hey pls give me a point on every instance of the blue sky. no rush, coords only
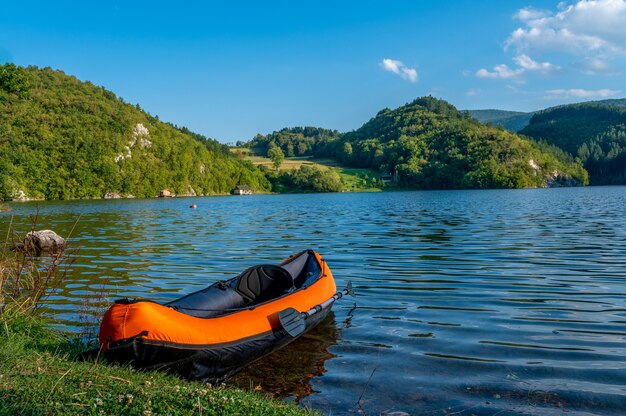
(230, 70)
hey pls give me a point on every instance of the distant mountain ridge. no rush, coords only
(517, 120)
(595, 132)
(511, 120)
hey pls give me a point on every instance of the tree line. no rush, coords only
(429, 144)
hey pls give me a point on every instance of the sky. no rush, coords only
(230, 70)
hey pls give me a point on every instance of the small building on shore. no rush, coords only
(165, 193)
(242, 190)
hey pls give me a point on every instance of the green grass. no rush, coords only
(360, 180)
(354, 179)
(39, 376)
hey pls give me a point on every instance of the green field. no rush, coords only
(358, 180)
(354, 179)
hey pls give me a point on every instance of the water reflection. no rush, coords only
(288, 373)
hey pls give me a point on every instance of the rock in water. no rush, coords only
(37, 242)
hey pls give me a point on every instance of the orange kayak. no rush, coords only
(213, 333)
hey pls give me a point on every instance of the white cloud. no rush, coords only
(398, 68)
(529, 13)
(499, 72)
(472, 92)
(528, 64)
(590, 34)
(391, 65)
(559, 40)
(585, 28)
(579, 93)
(525, 65)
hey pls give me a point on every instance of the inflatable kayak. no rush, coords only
(213, 333)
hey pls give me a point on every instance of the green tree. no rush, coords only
(13, 79)
(307, 179)
(277, 156)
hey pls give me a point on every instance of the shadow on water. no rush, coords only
(288, 372)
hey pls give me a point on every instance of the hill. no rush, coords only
(516, 120)
(594, 131)
(428, 144)
(510, 120)
(614, 102)
(62, 138)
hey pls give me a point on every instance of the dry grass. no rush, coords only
(288, 164)
(25, 278)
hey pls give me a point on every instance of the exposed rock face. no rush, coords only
(140, 138)
(112, 195)
(19, 195)
(554, 179)
(559, 179)
(37, 242)
(122, 156)
(141, 134)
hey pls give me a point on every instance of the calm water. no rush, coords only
(470, 302)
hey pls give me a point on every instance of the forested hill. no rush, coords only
(428, 144)
(517, 121)
(62, 138)
(594, 131)
(614, 102)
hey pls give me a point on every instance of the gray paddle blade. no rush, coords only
(350, 290)
(292, 321)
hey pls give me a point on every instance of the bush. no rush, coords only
(307, 179)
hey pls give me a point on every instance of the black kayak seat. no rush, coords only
(215, 300)
(262, 283)
(255, 285)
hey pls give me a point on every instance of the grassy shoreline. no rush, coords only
(39, 375)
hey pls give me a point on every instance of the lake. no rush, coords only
(469, 302)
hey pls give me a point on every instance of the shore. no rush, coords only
(39, 374)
